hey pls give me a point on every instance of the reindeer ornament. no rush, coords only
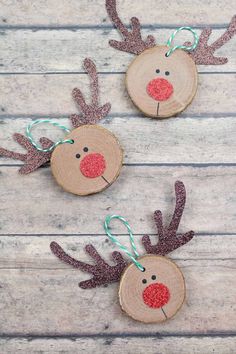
(162, 80)
(152, 287)
(89, 159)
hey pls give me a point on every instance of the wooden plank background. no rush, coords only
(42, 46)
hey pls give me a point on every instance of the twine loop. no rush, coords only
(53, 146)
(184, 47)
(135, 254)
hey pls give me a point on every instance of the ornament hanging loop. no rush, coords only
(135, 254)
(55, 124)
(183, 47)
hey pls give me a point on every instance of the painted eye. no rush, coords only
(85, 149)
(144, 281)
(77, 156)
(154, 277)
(167, 73)
(157, 71)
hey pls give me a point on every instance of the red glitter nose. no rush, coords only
(160, 89)
(156, 295)
(93, 165)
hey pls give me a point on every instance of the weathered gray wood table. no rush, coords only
(42, 45)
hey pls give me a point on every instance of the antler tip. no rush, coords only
(178, 182)
(233, 24)
(87, 61)
(145, 239)
(134, 20)
(179, 185)
(74, 91)
(53, 245)
(89, 247)
(82, 285)
(110, 2)
(89, 64)
(157, 212)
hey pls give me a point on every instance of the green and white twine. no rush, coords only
(135, 254)
(53, 146)
(184, 47)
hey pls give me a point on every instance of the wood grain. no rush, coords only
(136, 194)
(206, 140)
(49, 301)
(42, 308)
(33, 252)
(51, 94)
(42, 50)
(143, 82)
(87, 172)
(78, 13)
(135, 287)
(116, 345)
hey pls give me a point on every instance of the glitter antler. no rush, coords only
(204, 53)
(34, 158)
(102, 272)
(90, 113)
(133, 42)
(168, 238)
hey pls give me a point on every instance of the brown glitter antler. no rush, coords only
(33, 158)
(91, 113)
(204, 53)
(102, 272)
(133, 42)
(168, 239)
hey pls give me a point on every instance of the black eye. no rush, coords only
(85, 149)
(157, 71)
(77, 156)
(167, 73)
(154, 277)
(144, 281)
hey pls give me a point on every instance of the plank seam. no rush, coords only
(202, 115)
(73, 28)
(178, 164)
(99, 73)
(25, 268)
(200, 234)
(74, 336)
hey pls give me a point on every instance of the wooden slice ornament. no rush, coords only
(152, 287)
(90, 157)
(155, 294)
(162, 80)
(162, 86)
(90, 164)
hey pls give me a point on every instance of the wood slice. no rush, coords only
(154, 295)
(89, 165)
(162, 86)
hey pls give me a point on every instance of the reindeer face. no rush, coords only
(162, 86)
(155, 294)
(90, 164)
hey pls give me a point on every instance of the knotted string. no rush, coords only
(184, 47)
(135, 254)
(53, 146)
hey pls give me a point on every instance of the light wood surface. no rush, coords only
(177, 74)
(137, 289)
(64, 49)
(77, 13)
(42, 46)
(78, 175)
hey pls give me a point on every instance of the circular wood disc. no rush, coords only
(89, 165)
(162, 86)
(154, 295)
